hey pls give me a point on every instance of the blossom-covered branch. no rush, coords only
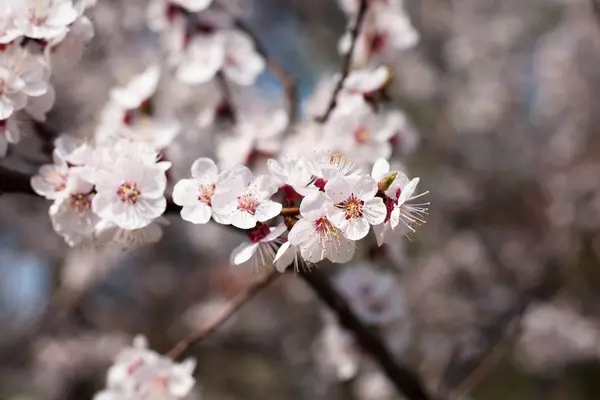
(234, 306)
(347, 59)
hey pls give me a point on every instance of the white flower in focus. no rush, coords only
(355, 205)
(325, 167)
(51, 179)
(131, 195)
(287, 255)
(245, 200)
(9, 133)
(401, 217)
(44, 19)
(71, 214)
(195, 195)
(193, 5)
(140, 373)
(315, 235)
(138, 90)
(8, 30)
(261, 249)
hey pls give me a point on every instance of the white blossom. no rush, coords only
(131, 194)
(141, 373)
(195, 194)
(8, 30)
(245, 200)
(51, 179)
(355, 206)
(193, 5)
(44, 19)
(71, 214)
(316, 237)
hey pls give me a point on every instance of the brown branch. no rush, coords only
(290, 212)
(286, 80)
(405, 380)
(14, 182)
(347, 60)
(235, 305)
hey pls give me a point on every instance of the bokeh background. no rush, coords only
(503, 280)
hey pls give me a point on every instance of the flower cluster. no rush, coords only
(30, 32)
(336, 206)
(201, 42)
(140, 373)
(387, 28)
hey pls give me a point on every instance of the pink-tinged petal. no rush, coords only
(185, 192)
(342, 252)
(301, 231)
(365, 187)
(243, 220)
(338, 189)
(267, 210)
(356, 228)
(275, 233)
(380, 169)
(315, 205)
(198, 213)
(243, 253)
(205, 169)
(374, 211)
(284, 257)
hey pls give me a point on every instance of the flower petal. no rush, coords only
(243, 253)
(198, 213)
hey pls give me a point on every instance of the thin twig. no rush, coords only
(405, 380)
(286, 80)
(238, 302)
(347, 60)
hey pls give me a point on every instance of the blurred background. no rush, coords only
(500, 287)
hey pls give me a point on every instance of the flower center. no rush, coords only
(80, 202)
(259, 232)
(128, 192)
(205, 193)
(247, 203)
(362, 135)
(353, 207)
(324, 227)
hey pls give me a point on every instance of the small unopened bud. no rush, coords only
(386, 182)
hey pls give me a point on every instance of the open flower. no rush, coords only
(355, 205)
(141, 373)
(8, 30)
(195, 195)
(314, 234)
(245, 200)
(131, 195)
(51, 179)
(72, 216)
(44, 19)
(401, 217)
(261, 249)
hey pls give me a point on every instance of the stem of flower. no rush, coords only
(290, 212)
